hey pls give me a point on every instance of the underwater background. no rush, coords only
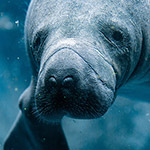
(126, 125)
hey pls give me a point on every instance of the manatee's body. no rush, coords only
(82, 54)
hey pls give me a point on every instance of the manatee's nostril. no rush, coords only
(68, 81)
(52, 81)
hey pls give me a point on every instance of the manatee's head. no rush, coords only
(81, 53)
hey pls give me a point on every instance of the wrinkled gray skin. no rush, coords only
(82, 53)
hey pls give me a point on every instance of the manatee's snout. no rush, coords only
(68, 85)
(59, 83)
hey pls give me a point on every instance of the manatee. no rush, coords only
(83, 54)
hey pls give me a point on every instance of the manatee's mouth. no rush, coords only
(69, 86)
(81, 104)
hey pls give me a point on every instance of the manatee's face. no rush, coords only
(81, 52)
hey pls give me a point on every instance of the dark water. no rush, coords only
(126, 126)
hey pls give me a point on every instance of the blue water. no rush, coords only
(126, 126)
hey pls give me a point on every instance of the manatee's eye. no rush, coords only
(38, 45)
(117, 36)
(37, 42)
(37, 48)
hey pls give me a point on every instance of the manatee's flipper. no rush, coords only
(19, 137)
(30, 134)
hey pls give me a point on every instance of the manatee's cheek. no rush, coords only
(68, 85)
